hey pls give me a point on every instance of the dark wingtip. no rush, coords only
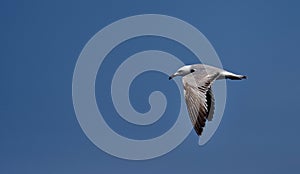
(170, 78)
(244, 77)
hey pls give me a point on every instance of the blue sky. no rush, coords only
(40, 44)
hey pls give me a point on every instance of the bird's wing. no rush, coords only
(199, 98)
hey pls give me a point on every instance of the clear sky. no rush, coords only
(41, 41)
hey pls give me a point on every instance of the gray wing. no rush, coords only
(199, 98)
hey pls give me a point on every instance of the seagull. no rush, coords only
(197, 80)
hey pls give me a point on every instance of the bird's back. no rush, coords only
(201, 71)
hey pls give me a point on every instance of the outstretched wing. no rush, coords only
(199, 98)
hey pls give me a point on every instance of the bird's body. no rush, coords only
(197, 81)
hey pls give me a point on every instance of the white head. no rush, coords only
(185, 70)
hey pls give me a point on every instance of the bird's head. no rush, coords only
(185, 70)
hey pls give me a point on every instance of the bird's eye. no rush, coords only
(192, 70)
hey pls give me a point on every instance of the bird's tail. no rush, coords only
(232, 76)
(236, 77)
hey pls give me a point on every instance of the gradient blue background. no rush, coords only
(41, 41)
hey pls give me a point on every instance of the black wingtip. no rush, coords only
(170, 78)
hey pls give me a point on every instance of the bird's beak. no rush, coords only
(172, 76)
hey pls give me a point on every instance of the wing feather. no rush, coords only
(199, 100)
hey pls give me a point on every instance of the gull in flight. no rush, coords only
(197, 80)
